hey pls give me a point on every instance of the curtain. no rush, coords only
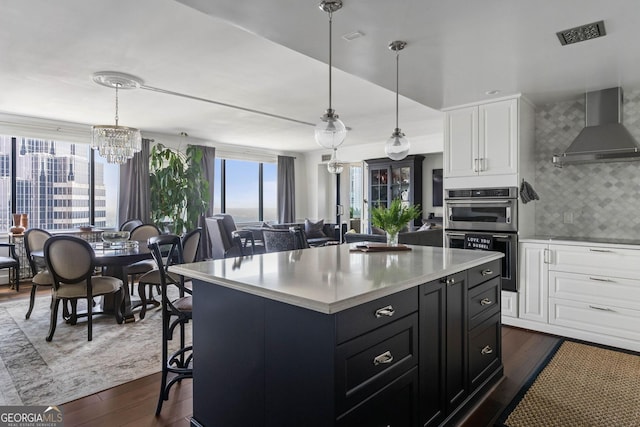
(286, 189)
(208, 166)
(135, 197)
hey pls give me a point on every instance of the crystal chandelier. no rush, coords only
(117, 144)
(397, 147)
(330, 131)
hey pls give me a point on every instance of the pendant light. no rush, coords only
(335, 166)
(116, 143)
(397, 147)
(330, 131)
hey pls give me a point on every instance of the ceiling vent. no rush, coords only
(582, 33)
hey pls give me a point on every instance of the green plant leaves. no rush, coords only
(395, 217)
(178, 188)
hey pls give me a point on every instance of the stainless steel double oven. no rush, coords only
(490, 214)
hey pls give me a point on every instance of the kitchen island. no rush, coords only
(326, 336)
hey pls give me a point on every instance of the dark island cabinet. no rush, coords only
(460, 342)
(409, 359)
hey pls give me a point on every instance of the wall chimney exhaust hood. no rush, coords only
(604, 138)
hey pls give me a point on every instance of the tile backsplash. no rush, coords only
(600, 200)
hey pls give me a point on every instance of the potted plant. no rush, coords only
(179, 191)
(394, 218)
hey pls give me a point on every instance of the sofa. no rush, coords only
(329, 232)
(430, 237)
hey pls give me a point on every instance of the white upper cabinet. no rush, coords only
(482, 140)
(488, 144)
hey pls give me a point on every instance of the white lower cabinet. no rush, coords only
(509, 303)
(585, 291)
(534, 279)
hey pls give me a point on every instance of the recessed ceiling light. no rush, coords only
(492, 92)
(353, 35)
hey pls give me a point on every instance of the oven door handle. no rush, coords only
(485, 201)
(455, 234)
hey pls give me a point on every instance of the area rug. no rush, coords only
(36, 372)
(580, 385)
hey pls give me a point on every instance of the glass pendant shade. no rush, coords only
(330, 131)
(397, 146)
(335, 166)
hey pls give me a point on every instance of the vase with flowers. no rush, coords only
(394, 218)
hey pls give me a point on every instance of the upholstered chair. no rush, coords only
(71, 262)
(130, 224)
(34, 239)
(141, 233)
(11, 261)
(279, 240)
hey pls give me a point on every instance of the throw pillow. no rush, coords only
(424, 227)
(376, 230)
(313, 230)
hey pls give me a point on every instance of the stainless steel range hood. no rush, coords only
(604, 138)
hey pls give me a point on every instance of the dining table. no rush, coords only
(114, 258)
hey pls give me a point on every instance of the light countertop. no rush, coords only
(330, 279)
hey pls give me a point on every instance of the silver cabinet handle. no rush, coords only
(475, 165)
(385, 311)
(486, 350)
(597, 279)
(599, 250)
(486, 301)
(483, 164)
(601, 308)
(486, 272)
(385, 357)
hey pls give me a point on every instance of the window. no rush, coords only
(52, 184)
(245, 189)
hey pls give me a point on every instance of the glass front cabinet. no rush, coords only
(389, 180)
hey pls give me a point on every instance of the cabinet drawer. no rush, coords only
(394, 405)
(484, 301)
(484, 272)
(611, 291)
(371, 361)
(366, 317)
(484, 351)
(596, 318)
(601, 261)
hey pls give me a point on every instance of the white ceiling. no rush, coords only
(271, 56)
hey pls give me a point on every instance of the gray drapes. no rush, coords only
(286, 189)
(208, 166)
(135, 197)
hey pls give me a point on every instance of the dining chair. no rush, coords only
(34, 239)
(176, 313)
(141, 233)
(11, 261)
(71, 262)
(130, 224)
(190, 246)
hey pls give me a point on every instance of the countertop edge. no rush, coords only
(568, 241)
(330, 308)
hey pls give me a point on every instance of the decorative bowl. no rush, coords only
(115, 236)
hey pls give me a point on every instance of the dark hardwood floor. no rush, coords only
(134, 403)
